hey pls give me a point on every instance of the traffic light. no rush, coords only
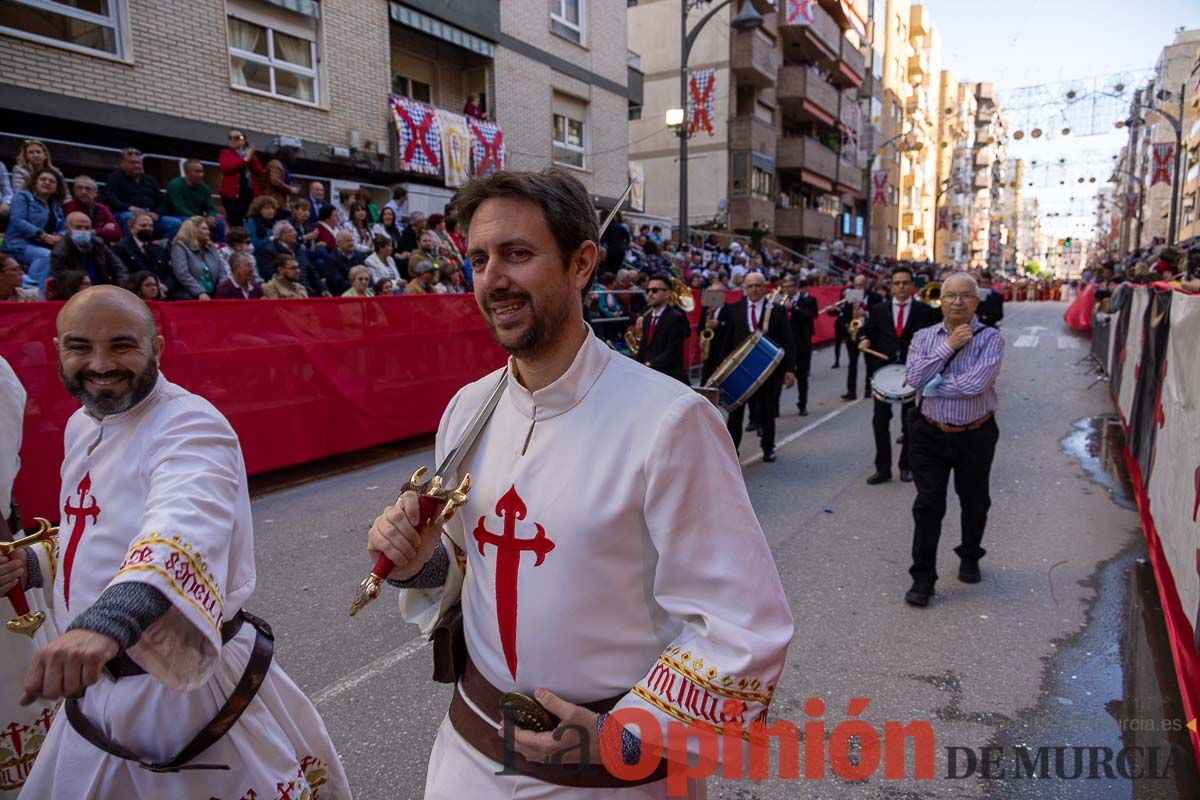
(1067, 243)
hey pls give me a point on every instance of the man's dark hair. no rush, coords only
(665, 280)
(281, 260)
(399, 192)
(565, 203)
(325, 213)
(903, 269)
(237, 235)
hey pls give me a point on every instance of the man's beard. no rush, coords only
(539, 336)
(105, 403)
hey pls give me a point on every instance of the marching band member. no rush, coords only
(802, 315)
(991, 306)
(606, 503)
(156, 565)
(735, 322)
(664, 331)
(889, 330)
(954, 365)
(845, 315)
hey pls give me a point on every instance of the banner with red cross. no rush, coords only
(943, 221)
(800, 12)
(488, 155)
(1163, 168)
(1132, 201)
(701, 83)
(879, 185)
(418, 135)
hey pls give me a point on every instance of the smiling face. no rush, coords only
(107, 349)
(527, 295)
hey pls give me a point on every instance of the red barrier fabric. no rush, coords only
(1079, 314)
(297, 379)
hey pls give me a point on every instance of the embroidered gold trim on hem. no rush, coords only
(176, 590)
(184, 549)
(723, 690)
(679, 715)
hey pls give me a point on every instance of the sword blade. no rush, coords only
(455, 457)
(616, 208)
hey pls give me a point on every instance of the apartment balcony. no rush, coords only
(918, 65)
(815, 162)
(804, 223)
(752, 59)
(803, 95)
(918, 21)
(981, 180)
(907, 219)
(748, 132)
(853, 65)
(819, 42)
(850, 178)
(745, 211)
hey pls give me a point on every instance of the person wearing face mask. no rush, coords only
(139, 251)
(81, 250)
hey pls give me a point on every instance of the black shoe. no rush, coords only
(751, 428)
(968, 571)
(836, 365)
(769, 456)
(849, 396)
(919, 594)
(879, 477)
(803, 412)
(906, 475)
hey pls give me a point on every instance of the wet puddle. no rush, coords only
(1110, 688)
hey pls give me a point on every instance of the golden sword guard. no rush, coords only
(438, 504)
(26, 623)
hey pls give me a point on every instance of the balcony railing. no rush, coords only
(745, 211)
(805, 95)
(804, 223)
(752, 58)
(806, 153)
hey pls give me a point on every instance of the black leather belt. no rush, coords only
(245, 691)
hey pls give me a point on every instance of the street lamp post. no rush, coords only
(942, 189)
(747, 19)
(871, 189)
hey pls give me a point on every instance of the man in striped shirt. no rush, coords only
(954, 367)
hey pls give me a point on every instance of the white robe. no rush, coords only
(162, 488)
(659, 569)
(23, 729)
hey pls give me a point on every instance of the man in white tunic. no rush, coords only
(22, 728)
(156, 562)
(602, 558)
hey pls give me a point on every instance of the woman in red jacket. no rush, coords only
(240, 171)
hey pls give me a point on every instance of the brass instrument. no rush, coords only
(838, 305)
(931, 294)
(26, 623)
(854, 328)
(706, 338)
(681, 296)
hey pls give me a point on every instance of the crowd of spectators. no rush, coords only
(261, 234)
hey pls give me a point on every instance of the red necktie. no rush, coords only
(650, 327)
(900, 320)
(754, 316)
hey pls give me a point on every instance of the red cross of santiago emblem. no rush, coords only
(510, 508)
(87, 509)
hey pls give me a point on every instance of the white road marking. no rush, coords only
(791, 437)
(1026, 340)
(1068, 343)
(365, 673)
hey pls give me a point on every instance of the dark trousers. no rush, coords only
(762, 412)
(840, 336)
(853, 355)
(881, 423)
(803, 367)
(934, 454)
(236, 208)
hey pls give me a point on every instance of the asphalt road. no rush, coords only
(973, 664)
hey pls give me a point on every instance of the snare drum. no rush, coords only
(890, 385)
(745, 369)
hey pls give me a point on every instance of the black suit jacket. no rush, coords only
(734, 328)
(802, 315)
(664, 350)
(152, 258)
(846, 313)
(991, 310)
(881, 331)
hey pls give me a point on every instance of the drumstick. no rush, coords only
(875, 353)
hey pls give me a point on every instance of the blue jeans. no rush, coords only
(36, 261)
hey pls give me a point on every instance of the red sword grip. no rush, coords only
(19, 602)
(429, 508)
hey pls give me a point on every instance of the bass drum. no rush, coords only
(745, 369)
(890, 385)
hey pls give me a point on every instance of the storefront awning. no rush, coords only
(309, 8)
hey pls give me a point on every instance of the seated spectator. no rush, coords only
(237, 241)
(424, 279)
(10, 282)
(301, 217)
(189, 196)
(460, 241)
(35, 225)
(473, 109)
(69, 284)
(389, 226)
(82, 251)
(34, 155)
(632, 300)
(195, 261)
(240, 284)
(129, 189)
(240, 171)
(397, 203)
(450, 279)
(345, 199)
(274, 184)
(140, 253)
(364, 199)
(411, 237)
(6, 192)
(339, 263)
(380, 264)
(147, 286)
(286, 240)
(428, 251)
(83, 198)
(384, 287)
(360, 226)
(316, 199)
(286, 283)
(260, 220)
(326, 228)
(360, 283)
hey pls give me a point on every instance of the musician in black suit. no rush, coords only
(889, 330)
(847, 313)
(733, 325)
(802, 315)
(664, 331)
(991, 305)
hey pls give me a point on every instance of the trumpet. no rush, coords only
(931, 294)
(681, 296)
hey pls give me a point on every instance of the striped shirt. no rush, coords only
(967, 390)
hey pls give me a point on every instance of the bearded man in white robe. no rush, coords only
(170, 689)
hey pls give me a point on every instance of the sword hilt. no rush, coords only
(436, 504)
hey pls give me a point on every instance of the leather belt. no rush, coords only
(122, 666)
(482, 736)
(245, 692)
(971, 426)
